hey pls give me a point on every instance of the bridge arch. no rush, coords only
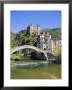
(25, 47)
(29, 47)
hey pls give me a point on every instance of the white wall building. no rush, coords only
(48, 44)
(45, 42)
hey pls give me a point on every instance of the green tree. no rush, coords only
(21, 37)
(13, 40)
(34, 38)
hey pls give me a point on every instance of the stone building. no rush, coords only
(45, 41)
(33, 29)
(48, 43)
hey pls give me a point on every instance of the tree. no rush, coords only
(21, 37)
(13, 40)
(56, 33)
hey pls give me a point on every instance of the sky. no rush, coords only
(46, 19)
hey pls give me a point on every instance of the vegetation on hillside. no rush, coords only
(55, 32)
(22, 38)
(13, 40)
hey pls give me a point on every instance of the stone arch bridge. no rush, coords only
(30, 47)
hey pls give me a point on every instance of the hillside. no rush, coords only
(55, 32)
(22, 37)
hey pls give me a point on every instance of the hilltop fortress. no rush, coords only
(33, 29)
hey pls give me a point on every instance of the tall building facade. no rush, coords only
(47, 43)
(33, 29)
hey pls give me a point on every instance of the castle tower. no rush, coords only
(30, 29)
(38, 29)
(33, 29)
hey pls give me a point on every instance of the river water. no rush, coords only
(29, 64)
